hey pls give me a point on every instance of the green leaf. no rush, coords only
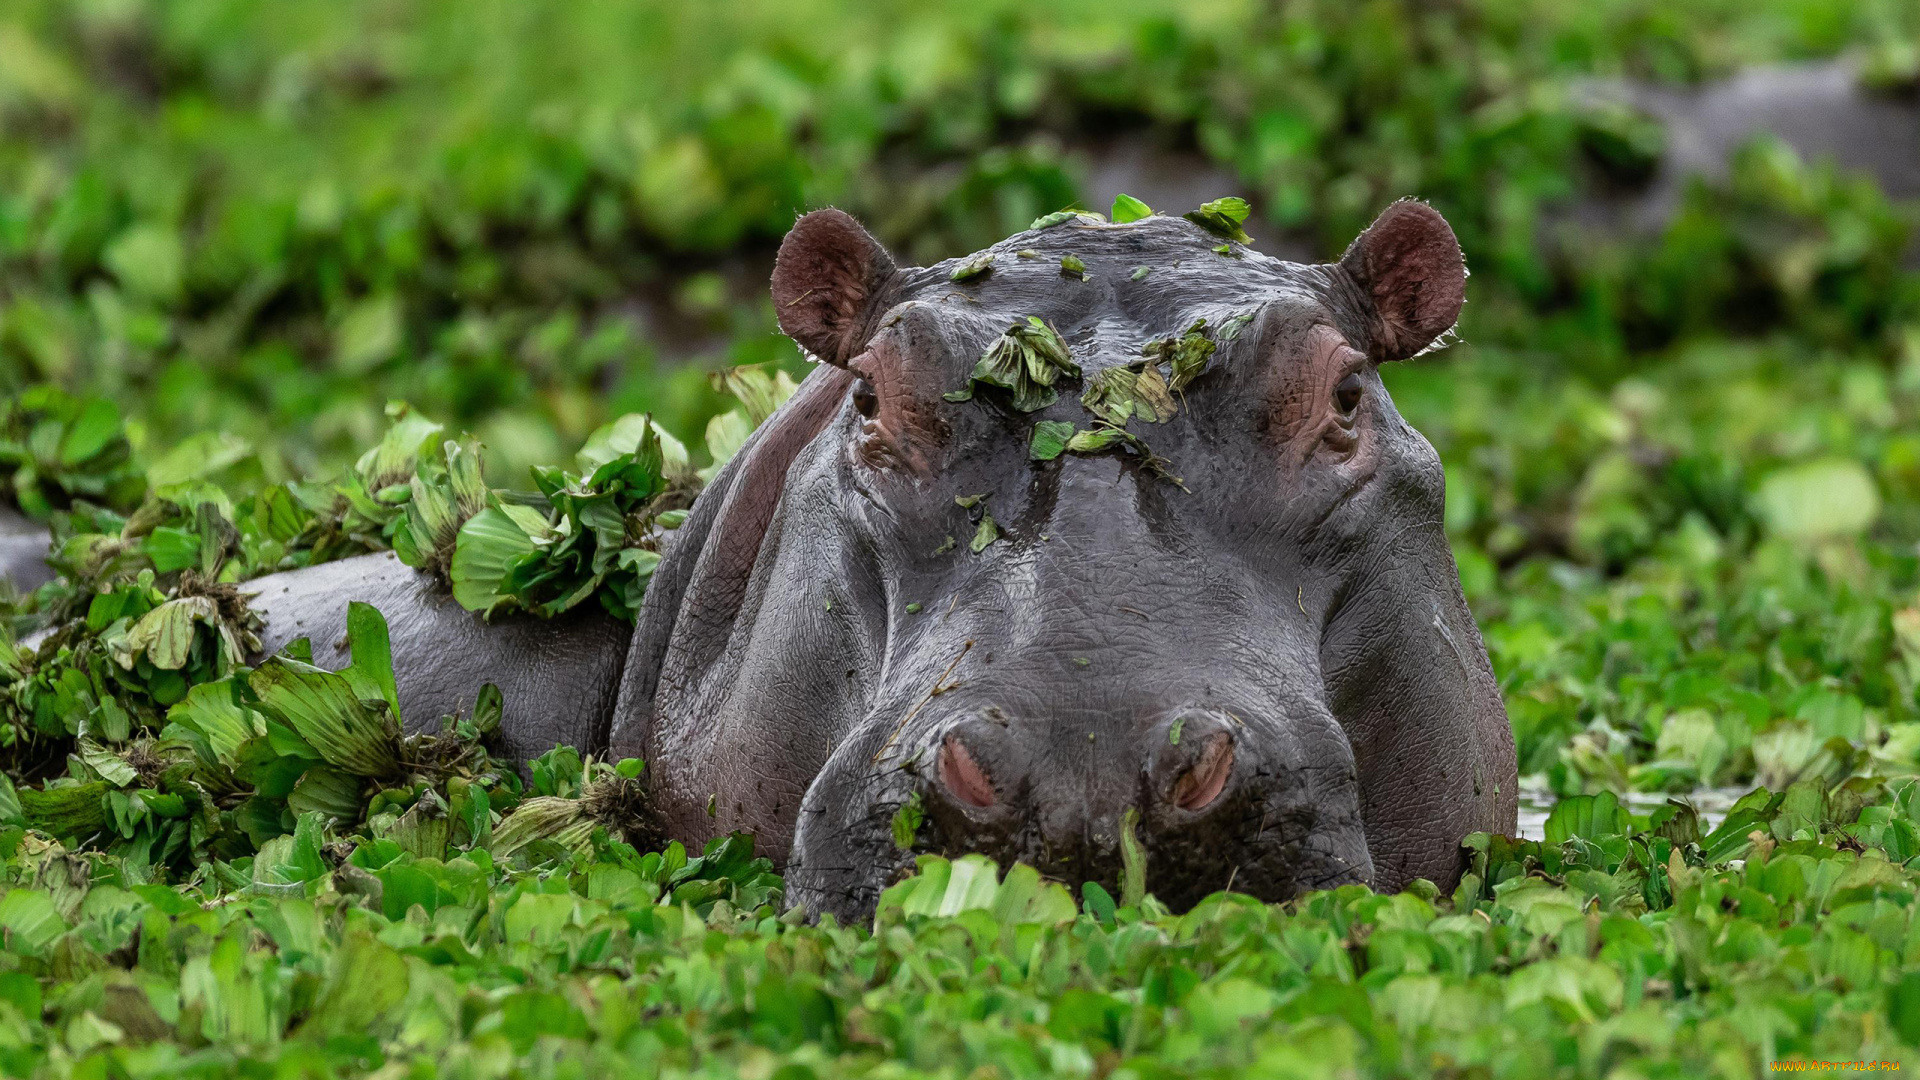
(1028, 360)
(372, 652)
(1832, 497)
(1127, 209)
(986, 533)
(1186, 355)
(973, 269)
(1589, 817)
(1099, 902)
(489, 542)
(97, 426)
(1094, 440)
(906, 822)
(333, 793)
(1223, 218)
(30, 922)
(1073, 266)
(369, 335)
(1133, 860)
(295, 859)
(348, 731)
(1049, 439)
(365, 980)
(197, 457)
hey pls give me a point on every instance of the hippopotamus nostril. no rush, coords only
(1207, 777)
(962, 775)
(1192, 761)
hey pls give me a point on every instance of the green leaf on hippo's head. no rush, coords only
(968, 502)
(987, 532)
(1061, 217)
(1140, 273)
(1127, 209)
(973, 269)
(1186, 355)
(1223, 218)
(1027, 361)
(1074, 267)
(1049, 440)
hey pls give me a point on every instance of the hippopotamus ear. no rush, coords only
(827, 282)
(1410, 264)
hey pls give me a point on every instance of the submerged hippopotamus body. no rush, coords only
(1241, 637)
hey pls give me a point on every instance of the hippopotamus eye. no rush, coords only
(1346, 395)
(864, 399)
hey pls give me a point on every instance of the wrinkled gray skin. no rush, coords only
(1293, 613)
(557, 677)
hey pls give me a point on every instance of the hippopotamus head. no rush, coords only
(1220, 627)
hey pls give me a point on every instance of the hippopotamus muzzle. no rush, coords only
(1217, 800)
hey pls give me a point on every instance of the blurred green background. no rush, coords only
(1683, 463)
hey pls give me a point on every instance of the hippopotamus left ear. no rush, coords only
(828, 280)
(1409, 263)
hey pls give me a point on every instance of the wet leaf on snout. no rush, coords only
(1073, 266)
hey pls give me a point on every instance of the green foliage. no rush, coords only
(1025, 361)
(1682, 489)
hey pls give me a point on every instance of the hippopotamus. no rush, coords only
(1230, 642)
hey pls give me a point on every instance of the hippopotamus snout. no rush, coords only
(1218, 798)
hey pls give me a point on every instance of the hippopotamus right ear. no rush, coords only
(1409, 263)
(828, 281)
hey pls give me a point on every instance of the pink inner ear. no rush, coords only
(1410, 262)
(824, 283)
(962, 775)
(1203, 783)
